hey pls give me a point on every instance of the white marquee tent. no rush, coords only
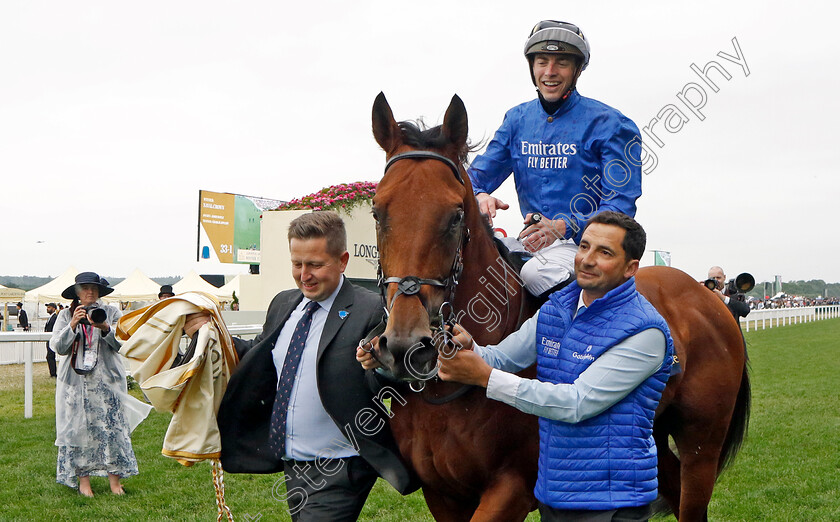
(136, 287)
(192, 282)
(11, 295)
(51, 292)
(232, 286)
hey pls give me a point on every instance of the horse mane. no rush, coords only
(418, 135)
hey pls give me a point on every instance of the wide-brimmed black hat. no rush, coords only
(87, 278)
(165, 289)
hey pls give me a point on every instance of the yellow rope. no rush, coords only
(219, 486)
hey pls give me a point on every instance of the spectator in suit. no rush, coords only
(733, 299)
(23, 319)
(51, 307)
(295, 400)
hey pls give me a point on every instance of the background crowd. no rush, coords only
(791, 301)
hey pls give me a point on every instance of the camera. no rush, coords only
(740, 285)
(96, 314)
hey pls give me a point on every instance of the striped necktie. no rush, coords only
(277, 429)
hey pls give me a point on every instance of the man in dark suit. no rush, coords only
(332, 439)
(49, 328)
(23, 319)
(735, 301)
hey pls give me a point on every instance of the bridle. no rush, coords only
(411, 285)
(426, 154)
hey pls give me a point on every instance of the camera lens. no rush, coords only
(97, 315)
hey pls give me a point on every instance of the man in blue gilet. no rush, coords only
(570, 156)
(603, 356)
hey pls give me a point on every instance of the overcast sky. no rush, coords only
(113, 115)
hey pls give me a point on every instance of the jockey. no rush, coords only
(571, 157)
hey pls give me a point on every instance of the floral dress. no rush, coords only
(94, 415)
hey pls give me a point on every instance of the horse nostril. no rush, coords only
(422, 351)
(383, 343)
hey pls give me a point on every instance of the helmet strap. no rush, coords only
(552, 107)
(578, 70)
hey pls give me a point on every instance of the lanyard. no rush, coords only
(88, 336)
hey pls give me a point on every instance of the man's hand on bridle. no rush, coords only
(365, 354)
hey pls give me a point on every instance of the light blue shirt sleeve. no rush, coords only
(610, 378)
(516, 351)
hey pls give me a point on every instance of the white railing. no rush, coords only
(19, 347)
(768, 318)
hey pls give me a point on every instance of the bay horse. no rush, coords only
(476, 457)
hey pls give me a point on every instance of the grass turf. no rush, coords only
(788, 469)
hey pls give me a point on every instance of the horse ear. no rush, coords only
(386, 131)
(455, 126)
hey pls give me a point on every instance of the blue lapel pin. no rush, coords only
(343, 313)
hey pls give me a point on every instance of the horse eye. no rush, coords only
(375, 215)
(458, 218)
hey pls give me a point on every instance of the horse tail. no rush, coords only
(737, 431)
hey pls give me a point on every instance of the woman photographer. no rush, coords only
(94, 415)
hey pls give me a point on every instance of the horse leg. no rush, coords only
(507, 498)
(699, 465)
(447, 509)
(668, 465)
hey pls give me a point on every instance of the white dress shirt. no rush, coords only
(310, 431)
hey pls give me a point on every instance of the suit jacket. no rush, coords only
(344, 387)
(49, 326)
(23, 319)
(737, 305)
(50, 323)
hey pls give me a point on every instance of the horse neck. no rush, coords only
(487, 285)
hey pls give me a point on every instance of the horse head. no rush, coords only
(424, 210)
